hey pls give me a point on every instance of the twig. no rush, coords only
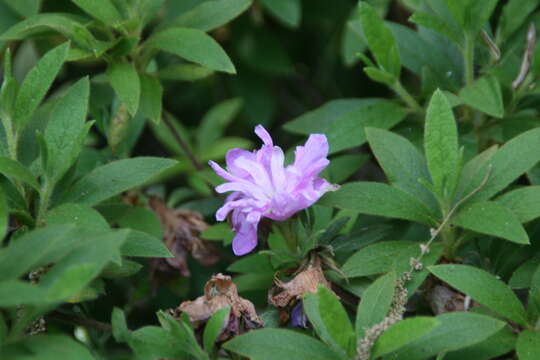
(78, 320)
(185, 148)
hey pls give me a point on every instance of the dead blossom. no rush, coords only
(181, 235)
(219, 292)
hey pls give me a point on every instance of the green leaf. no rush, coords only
(103, 10)
(456, 330)
(66, 129)
(402, 334)
(119, 325)
(51, 346)
(343, 167)
(141, 244)
(155, 342)
(528, 345)
(4, 216)
(437, 24)
(16, 293)
(193, 45)
(69, 277)
(474, 172)
(183, 332)
(383, 257)
(12, 169)
(127, 268)
(496, 345)
(522, 277)
(184, 72)
(514, 14)
(402, 163)
(36, 84)
(214, 327)
(210, 15)
(289, 12)
(523, 202)
(379, 199)
(81, 215)
(485, 95)
(113, 178)
(513, 159)
(151, 97)
(215, 121)
(483, 288)
(330, 320)
(380, 40)
(441, 145)
(343, 121)
(471, 15)
(375, 303)
(34, 249)
(378, 75)
(125, 82)
(25, 8)
(491, 218)
(279, 344)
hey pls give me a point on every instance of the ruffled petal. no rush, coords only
(245, 239)
(264, 135)
(310, 159)
(232, 156)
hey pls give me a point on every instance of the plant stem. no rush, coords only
(407, 97)
(45, 196)
(78, 320)
(468, 59)
(189, 154)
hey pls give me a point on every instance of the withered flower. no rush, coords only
(220, 292)
(182, 229)
(287, 296)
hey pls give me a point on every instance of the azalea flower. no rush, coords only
(263, 187)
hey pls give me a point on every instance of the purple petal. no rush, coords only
(245, 239)
(231, 158)
(264, 135)
(310, 159)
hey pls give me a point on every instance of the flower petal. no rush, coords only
(245, 239)
(310, 159)
(264, 135)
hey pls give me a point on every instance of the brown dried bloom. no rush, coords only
(220, 292)
(283, 294)
(182, 229)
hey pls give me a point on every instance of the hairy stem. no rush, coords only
(407, 97)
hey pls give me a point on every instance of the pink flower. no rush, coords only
(263, 187)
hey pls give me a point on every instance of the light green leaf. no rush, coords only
(379, 199)
(375, 303)
(193, 45)
(34, 249)
(81, 215)
(402, 163)
(16, 293)
(210, 15)
(403, 333)
(523, 202)
(289, 12)
(126, 83)
(215, 121)
(279, 344)
(471, 15)
(330, 320)
(151, 97)
(492, 218)
(113, 178)
(514, 14)
(456, 330)
(441, 145)
(496, 345)
(214, 327)
(119, 325)
(141, 244)
(386, 256)
(528, 345)
(25, 8)
(154, 342)
(184, 72)
(380, 40)
(485, 95)
(483, 288)
(36, 84)
(343, 121)
(103, 10)
(437, 24)
(14, 170)
(343, 167)
(4, 216)
(51, 346)
(474, 172)
(66, 129)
